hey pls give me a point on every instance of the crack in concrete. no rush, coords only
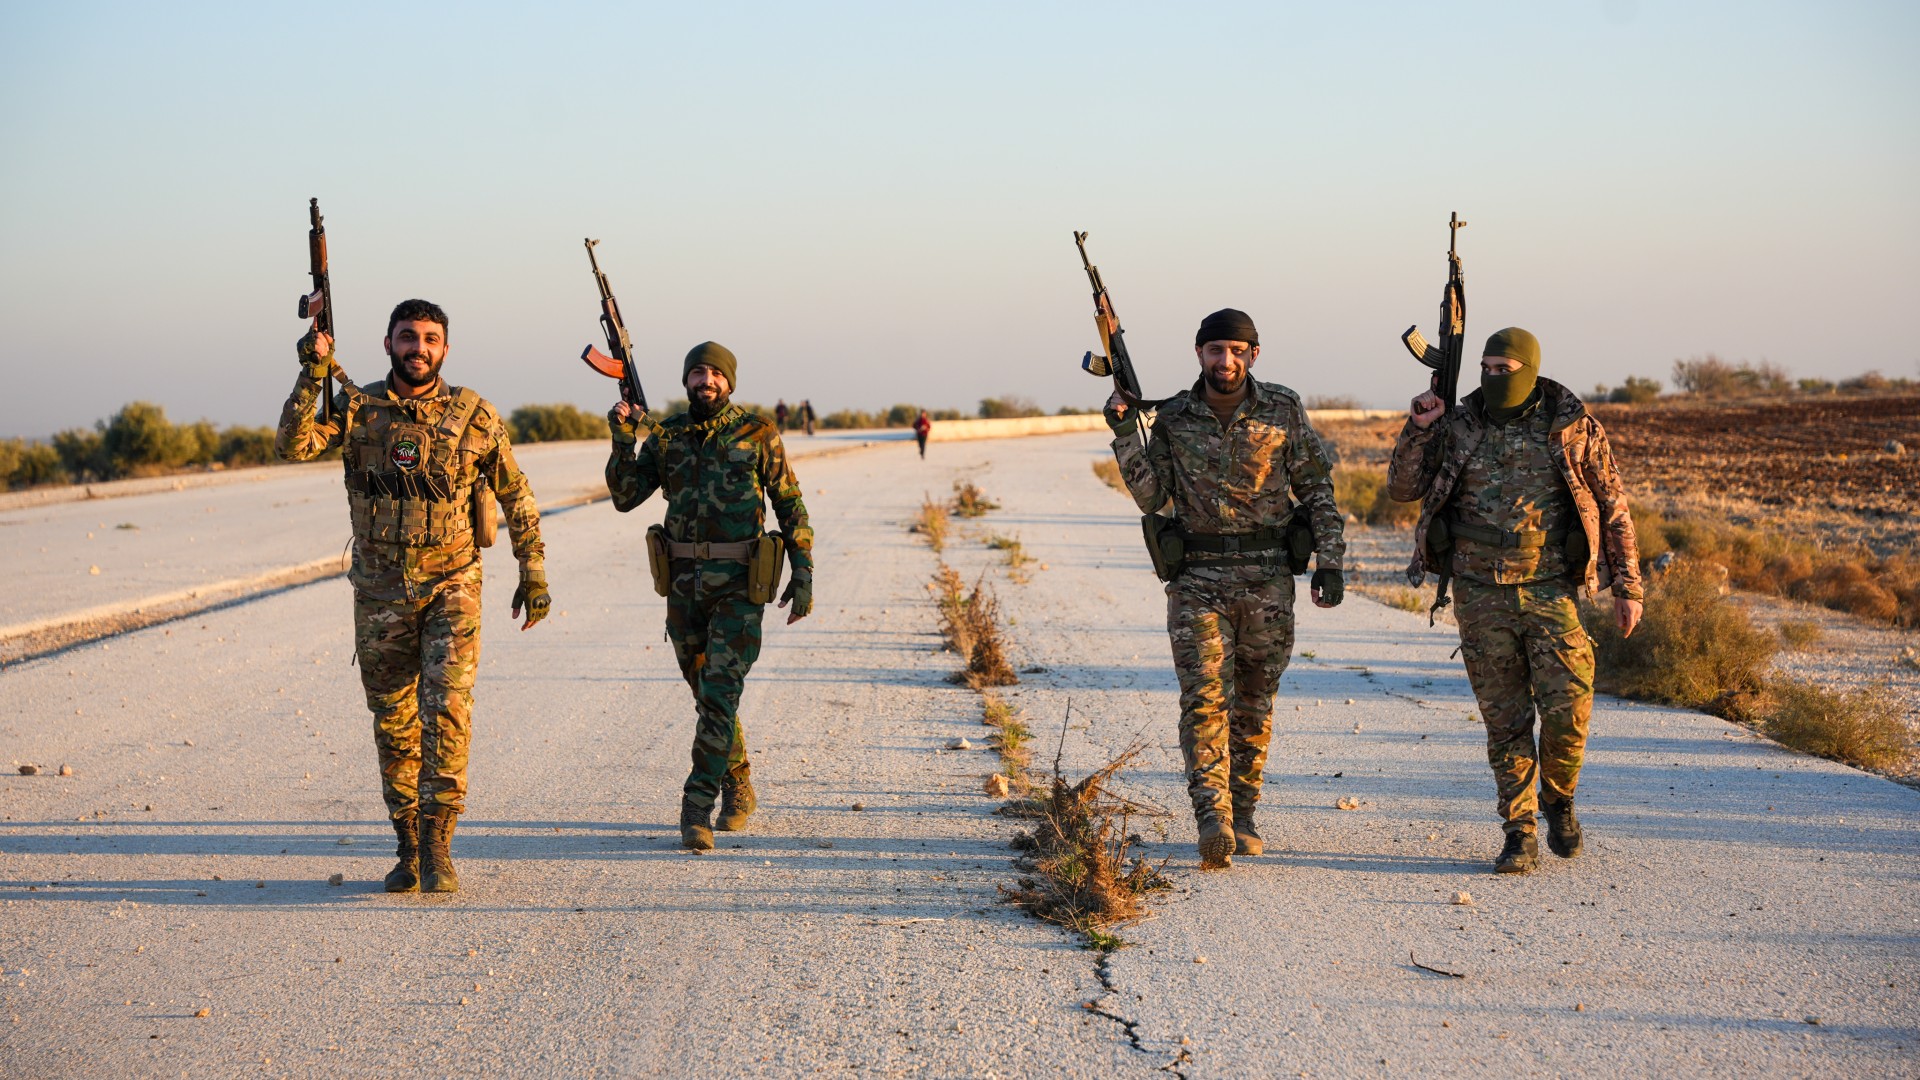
(1103, 969)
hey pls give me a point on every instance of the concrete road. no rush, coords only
(71, 557)
(1740, 911)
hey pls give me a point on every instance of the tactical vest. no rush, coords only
(405, 484)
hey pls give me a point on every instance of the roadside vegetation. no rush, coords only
(1361, 494)
(931, 523)
(1016, 557)
(970, 623)
(969, 501)
(554, 423)
(1883, 589)
(138, 440)
(1108, 470)
(1710, 377)
(1698, 650)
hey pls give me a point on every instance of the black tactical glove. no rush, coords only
(800, 592)
(532, 595)
(1122, 424)
(1331, 586)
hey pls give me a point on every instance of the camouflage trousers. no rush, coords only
(417, 663)
(715, 632)
(1526, 653)
(1232, 632)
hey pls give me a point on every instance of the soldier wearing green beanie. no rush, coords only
(719, 466)
(1523, 511)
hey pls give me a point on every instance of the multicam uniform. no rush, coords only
(414, 467)
(1517, 499)
(1231, 618)
(718, 475)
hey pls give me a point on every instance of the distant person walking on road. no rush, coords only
(1523, 511)
(780, 415)
(714, 562)
(421, 457)
(1244, 472)
(922, 427)
(806, 414)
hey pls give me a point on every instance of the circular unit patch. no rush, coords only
(405, 455)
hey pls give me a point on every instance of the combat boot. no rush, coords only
(696, 834)
(1520, 855)
(405, 875)
(1563, 829)
(1216, 843)
(737, 803)
(436, 858)
(1246, 835)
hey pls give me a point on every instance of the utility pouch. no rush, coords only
(764, 566)
(657, 560)
(486, 515)
(1439, 544)
(1299, 544)
(1166, 545)
(1579, 551)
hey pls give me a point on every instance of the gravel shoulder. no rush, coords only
(1732, 891)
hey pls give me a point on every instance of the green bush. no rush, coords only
(554, 423)
(140, 440)
(1693, 647)
(1003, 408)
(1635, 391)
(241, 446)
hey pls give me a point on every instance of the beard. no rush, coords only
(706, 401)
(1226, 382)
(399, 363)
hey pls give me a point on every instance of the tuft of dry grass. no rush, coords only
(1861, 728)
(931, 522)
(1011, 737)
(1362, 493)
(970, 623)
(1399, 596)
(1796, 634)
(1108, 470)
(1016, 556)
(969, 501)
(1693, 648)
(1080, 868)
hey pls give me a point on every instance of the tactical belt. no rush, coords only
(1265, 542)
(1503, 539)
(736, 551)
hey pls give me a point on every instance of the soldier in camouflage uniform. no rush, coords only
(421, 457)
(1524, 510)
(1237, 460)
(719, 465)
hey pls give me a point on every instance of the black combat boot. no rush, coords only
(737, 803)
(1520, 855)
(696, 834)
(1246, 835)
(1563, 829)
(405, 875)
(436, 860)
(1216, 842)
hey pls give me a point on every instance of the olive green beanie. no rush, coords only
(714, 355)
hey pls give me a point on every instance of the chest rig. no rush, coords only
(406, 484)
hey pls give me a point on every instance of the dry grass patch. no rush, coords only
(1861, 728)
(1016, 556)
(1011, 737)
(969, 501)
(970, 623)
(1108, 470)
(1797, 634)
(1362, 493)
(1080, 868)
(931, 523)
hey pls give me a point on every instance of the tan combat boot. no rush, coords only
(436, 860)
(737, 804)
(1246, 835)
(405, 875)
(1216, 843)
(696, 834)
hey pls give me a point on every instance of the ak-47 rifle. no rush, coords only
(1116, 362)
(1445, 359)
(620, 365)
(318, 304)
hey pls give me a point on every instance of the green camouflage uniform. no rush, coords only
(1231, 623)
(718, 474)
(413, 467)
(1548, 471)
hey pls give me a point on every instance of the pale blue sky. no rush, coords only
(873, 203)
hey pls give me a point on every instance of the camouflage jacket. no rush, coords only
(1250, 474)
(413, 470)
(1429, 463)
(718, 474)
